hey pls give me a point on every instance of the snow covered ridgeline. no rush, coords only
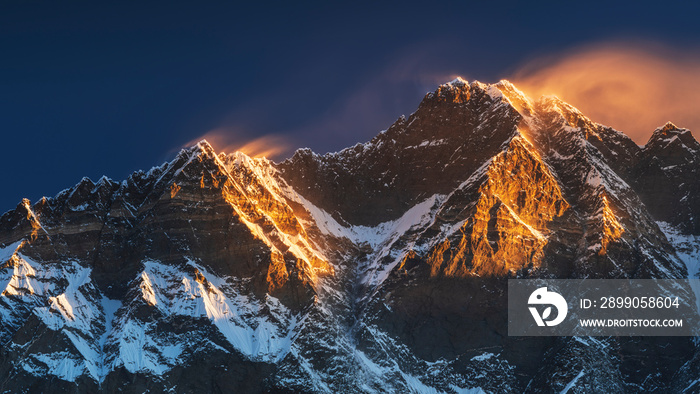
(63, 297)
(95, 335)
(262, 331)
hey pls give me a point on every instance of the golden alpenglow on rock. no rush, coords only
(508, 230)
(611, 228)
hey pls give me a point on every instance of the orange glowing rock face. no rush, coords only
(448, 93)
(255, 196)
(508, 230)
(277, 274)
(32, 219)
(612, 230)
(174, 188)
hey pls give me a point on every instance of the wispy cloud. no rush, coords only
(351, 112)
(230, 140)
(633, 86)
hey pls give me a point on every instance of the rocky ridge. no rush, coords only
(381, 267)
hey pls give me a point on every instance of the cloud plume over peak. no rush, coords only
(228, 140)
(631, 86)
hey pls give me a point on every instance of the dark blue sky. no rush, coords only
(93, 88)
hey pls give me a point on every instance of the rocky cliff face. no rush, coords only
(379, 268)
(671, 161)
(453, 132)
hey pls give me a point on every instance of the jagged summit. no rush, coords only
(458, 81)
(668, 130)
(670, 134)
(458, 91)
(379, 268)
(453, 132)
(202, 147)
(668, 127)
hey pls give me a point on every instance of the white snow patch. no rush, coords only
(79, 208)
(418, 217)
(688, 250)
(461, 390)
(416, 386)
(21, 278)
(236, 316)
(594, 178)
(687, 247)
(558, 156)
(428, 143)
(139, 352)
(482, 357)
(572, 383)
(9, 250)
(693, 383)
(60, 364)
(63, 298)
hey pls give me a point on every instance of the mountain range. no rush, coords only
(379, 268)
